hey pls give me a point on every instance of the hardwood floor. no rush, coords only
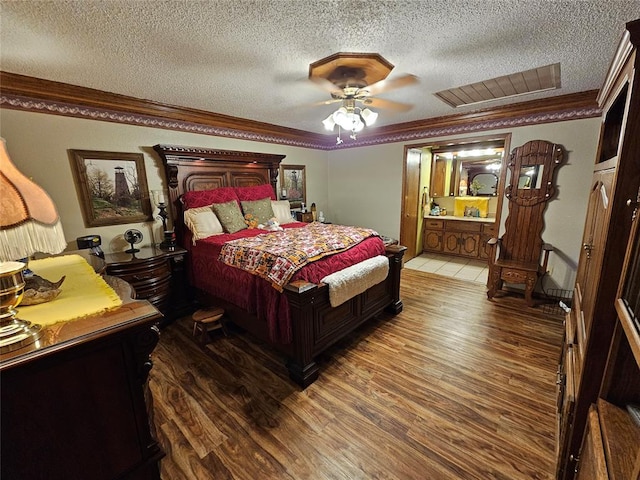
(454, 387)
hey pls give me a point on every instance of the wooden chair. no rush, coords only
(520, 256)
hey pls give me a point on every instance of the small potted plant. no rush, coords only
(475, 187)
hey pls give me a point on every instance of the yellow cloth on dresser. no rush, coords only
(83, 291)
(482, 204)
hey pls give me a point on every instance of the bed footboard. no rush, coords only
(316, 325)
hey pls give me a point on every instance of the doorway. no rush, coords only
(418, 177)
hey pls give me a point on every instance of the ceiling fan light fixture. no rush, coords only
(354, 79)
(341, 117)
(356, 123)
(369, 116)
(329, 122)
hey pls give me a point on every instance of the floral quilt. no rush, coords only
(277, 256)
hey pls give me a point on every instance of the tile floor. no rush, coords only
(448, 266)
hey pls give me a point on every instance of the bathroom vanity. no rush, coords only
(462, 236)
(466, 182)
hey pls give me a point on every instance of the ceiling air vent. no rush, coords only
(521, 83)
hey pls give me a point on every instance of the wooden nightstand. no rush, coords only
(304, 217)
(156, 275)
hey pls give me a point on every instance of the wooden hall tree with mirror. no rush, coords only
(598, 373)
(520, 249)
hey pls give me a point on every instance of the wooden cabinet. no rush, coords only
(620, 387)
(432, 240)
(566, 382)
(457, 237)
(593, 242)
(597, 438)
(592, 464)
(489, 231)
(610, 445)
(433, 235)
(439, 178)
(306, 217)
(461, 243)
(444, 172)
(156, 275)
(74, 405)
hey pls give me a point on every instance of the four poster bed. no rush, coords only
(290, 309)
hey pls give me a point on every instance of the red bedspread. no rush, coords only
(255, 294)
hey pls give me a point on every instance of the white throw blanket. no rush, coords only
(351, 281)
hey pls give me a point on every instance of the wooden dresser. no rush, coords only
(598, 375)
(76, 405)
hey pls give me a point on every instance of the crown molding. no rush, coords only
(36, 94)
(548, 110)
(32, 94)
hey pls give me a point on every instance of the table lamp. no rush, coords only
(29, 223)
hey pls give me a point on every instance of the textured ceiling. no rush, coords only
(250, 59)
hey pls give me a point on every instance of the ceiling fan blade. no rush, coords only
(388, 104)
(326, 102)
(386, 85)
(326, 85)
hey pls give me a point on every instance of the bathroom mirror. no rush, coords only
(443, 175)
(487, 184)
(479, 176)
(454, 169)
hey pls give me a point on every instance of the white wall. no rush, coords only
(356, 186)
(38, 145)
(365, 187)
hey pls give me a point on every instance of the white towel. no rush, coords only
(353, 280)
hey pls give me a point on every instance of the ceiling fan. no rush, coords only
(353, 79)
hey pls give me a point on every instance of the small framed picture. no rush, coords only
(111, 186)
(293, 185)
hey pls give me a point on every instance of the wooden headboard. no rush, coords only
(192, 168)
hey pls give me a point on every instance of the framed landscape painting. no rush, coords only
(293, 185)
(111, 186)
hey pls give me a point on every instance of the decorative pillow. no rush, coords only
(202, 222)
(255, 192)
(282, 211)
(260, 209)
(202, 198)
(230, 216)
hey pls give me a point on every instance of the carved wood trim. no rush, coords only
(549, 110)
(619, 61)
(187, 167)
(69, 97)
(20, 92)
(144, 343)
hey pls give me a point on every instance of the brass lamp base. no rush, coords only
(14, 333)
(17, 334)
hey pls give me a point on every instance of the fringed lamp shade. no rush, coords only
(29, 221)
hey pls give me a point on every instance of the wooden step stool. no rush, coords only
(207, 320)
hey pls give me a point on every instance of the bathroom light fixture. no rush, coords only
(476, 152)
